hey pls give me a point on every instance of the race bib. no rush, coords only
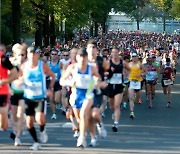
(168, 82)
(116, 78)
(135, 85)
(34, 89)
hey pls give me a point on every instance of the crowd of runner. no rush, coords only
(81, 77)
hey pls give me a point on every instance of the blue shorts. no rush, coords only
(97, 100)
(78, 97)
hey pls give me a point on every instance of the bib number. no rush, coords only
(135, 85)
(116, 78)
(168, 82)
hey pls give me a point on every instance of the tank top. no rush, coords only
(56, 70)
(83, 80)
(151, 75)
(117, 74)
(4, 89)
(167, 75)
(34, 80)
(135, 69)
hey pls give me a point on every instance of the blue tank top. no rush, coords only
(56, 70)
(35, 83)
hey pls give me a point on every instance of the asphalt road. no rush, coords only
(153, 130)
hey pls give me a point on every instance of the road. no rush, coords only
(153, 130)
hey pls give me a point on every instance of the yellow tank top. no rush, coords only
(135, 69)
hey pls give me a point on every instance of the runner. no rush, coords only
(135, 78)
(101, 64)
(33, 72)
(82, 95)
(151, 80)
(167, 79)
(5, 78)
(17, 100)
(115, 87)
(55, 66)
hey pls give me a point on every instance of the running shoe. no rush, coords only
(76, 134)
(101, 130)
(12, 136)
(124, 105)
(58, 106)
(132, 116)
(115, 127)
(43, 137)
(81, 142)
(140, 101)
(54, 116)
(103, 115)
(35, 146)
(93, 142)
(17, 142)
(168, 104)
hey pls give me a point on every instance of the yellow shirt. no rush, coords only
(135, 70)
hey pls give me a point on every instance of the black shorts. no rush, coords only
(15, 98)
(32, 106)
(150, 82)
(57, 86)
(113, 89)
(98, 98)
(4, 99)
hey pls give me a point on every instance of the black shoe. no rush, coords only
(114, 128)
(12, 136)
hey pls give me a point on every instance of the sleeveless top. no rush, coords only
(34, 80)
(4, 89)
(117, 74)
(135, 69)
(152, 73)
(56, 70)
(167, 75)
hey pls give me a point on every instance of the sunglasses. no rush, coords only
(66, 55)
(21, 55)
(53, 54)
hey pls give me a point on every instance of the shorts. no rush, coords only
(151, 82)
(78, 97)
(97, 100)
(113, 89)
(57, 86)
(33, 106)
(4, 99)
(15, 98)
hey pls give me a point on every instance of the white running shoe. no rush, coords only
(81, 142)
(43, 137)
(93, 142)
(17, 142)
(35, 146)
(54, 116)
(101, 130)
(76, 134)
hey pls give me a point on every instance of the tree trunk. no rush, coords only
(95, 29)
(46, 30)
(91, 30)
(164, 24)
(16, 15)
(137, 20)
(52, 30)
(39, 27)
(104, 28)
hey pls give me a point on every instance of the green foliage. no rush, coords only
(6, 34)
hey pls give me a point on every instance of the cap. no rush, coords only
(33, 49)
(134, 54)
(82, 52)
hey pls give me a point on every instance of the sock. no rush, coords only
(42, 128)
(115, 122)
(32, 131)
